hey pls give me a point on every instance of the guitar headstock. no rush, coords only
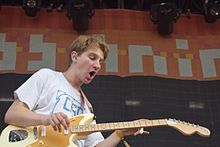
(187, 128)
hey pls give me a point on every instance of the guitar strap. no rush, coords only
(86, 101)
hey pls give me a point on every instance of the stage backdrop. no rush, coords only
(128, 87)
(192, 51)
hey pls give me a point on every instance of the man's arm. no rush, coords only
(114, 139)
(19, 114)
(110, 141)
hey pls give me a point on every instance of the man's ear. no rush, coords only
(74, 56)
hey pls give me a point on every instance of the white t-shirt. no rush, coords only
(48, 92)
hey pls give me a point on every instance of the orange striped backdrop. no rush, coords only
(121, 28)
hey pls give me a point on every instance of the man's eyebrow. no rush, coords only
(101, 57)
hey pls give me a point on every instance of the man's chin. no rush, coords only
(87, 81)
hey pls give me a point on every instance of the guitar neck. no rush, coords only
(102, 127)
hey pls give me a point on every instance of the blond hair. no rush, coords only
(81, 44)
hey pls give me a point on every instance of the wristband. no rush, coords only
(118, 133)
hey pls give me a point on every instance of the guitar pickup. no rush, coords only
(35, 133)
(43, 131)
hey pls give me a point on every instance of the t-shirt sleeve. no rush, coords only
(29, 92)
(93, 139)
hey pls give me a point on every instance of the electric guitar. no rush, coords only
(80, 127)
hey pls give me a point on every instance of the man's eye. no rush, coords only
(92, 57)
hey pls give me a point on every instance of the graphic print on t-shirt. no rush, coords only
(68, 104)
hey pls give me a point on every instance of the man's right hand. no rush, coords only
(57, 120)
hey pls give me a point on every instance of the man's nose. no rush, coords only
(97, 65)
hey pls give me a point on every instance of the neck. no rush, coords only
(118, 125)
(72, 79)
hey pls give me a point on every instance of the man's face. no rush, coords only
(89, 63)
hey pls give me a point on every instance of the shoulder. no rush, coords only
(46, 71)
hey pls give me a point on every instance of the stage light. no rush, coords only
(164, 15)
(211, 10)
(80, 11)
(80, 17)
(30, 7)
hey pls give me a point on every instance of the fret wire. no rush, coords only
(109, 126)
(159, 122)
(103, 126)
(98, 127)
(115, 125)
(131, 124)
(136, 123)
(124, 124)
(153, 123)
(145, 123)
(142, 123)
(139, 123)
(150, 122)
(120, 125)
(91, 127)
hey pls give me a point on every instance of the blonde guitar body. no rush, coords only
(80, 127)
(51, 138)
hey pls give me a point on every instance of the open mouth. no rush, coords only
(92, 73)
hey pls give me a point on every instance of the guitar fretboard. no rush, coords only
(118, 125)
